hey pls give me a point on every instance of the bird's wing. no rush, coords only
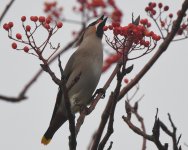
(69, 66)
(57, 103)
(67, 72)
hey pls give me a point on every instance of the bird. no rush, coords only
(87, 62)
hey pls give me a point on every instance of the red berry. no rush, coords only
(115, 24)
(28, 28)
(150, 3)
(14, 45)
(147, 33)
(26, 49)
(153, 4)
(110, 27)
(48, 20)
(146, 44)
(11, 24)
(6, 27)
(170, 15)
(142, 42)
(34, 18)
(59, 24)
(126, 80)
(162, 23)
(160, 5)
(148, 24)
(153, 12)
(23, 18)
(158, 38)
(166, 8)
(147, 9)
(42, 19)
(56, 14)
(144, 21)
(184, 26)
(18, 36)
(105, 28)
(151, 33)
(47, 26)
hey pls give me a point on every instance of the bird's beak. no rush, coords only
(103, 22)
(101, 18)
(100, 26)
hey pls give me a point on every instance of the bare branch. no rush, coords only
(136, 129)
(70, 115)
(6, 10)
(110, 147)
(12, 99)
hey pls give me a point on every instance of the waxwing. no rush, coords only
(87, 62)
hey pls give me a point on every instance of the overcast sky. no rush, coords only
(23, 124)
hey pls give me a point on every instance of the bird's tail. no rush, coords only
(55, 124)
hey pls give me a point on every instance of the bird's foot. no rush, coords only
(98, 91)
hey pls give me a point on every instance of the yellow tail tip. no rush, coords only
(45, 141)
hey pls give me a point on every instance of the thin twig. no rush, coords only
(136, 129)
(115, 94)
(110, 146)
(6, 10)
(104, 119)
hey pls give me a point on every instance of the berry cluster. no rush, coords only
(151, 8)
(97, 7)
(164, 20)
(28, 39)
(183, 30)
(96, 3)
(137, 33)
(155, 11)
(52, 10)
(127, 39)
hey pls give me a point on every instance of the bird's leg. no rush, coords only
(98, 91)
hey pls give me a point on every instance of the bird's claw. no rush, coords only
(98, 91)
(102, 91)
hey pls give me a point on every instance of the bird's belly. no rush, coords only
(81, 93)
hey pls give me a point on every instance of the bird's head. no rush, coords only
(94, 28)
